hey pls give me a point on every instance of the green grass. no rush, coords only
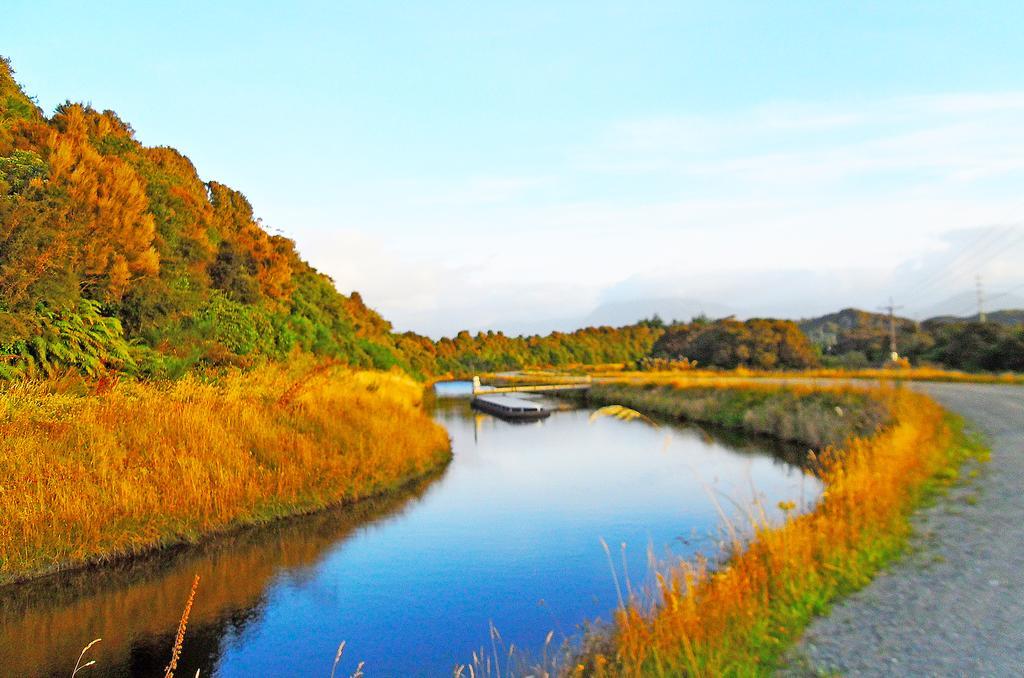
(814, 417)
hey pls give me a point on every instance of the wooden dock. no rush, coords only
(531, 388)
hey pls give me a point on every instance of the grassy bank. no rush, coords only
(737, 616)
(92, 471)
(895, 374)
(812, 416)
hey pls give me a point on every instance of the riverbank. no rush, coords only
(738, 615)
(94, 471)
(622, 372)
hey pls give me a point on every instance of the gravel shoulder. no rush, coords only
(954, 605)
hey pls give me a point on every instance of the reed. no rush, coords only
(736, 614)
(179, 637)
(91, 473)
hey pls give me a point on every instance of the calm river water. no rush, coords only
(510, 534)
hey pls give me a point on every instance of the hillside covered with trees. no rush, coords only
(117, 256)
(757, 343)
(854, 338)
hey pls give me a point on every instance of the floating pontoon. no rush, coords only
(509, 407)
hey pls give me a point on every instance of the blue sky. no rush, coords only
(517, 164)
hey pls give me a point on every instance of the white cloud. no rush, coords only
(432, 297)
(785, 208)
(812, 144)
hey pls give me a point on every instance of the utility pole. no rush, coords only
(981, 300)
(893, 355)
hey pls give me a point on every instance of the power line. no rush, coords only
(980, 258)
(976, 253)
(997, 249)
(965, 261)
(1007, 292)
(964, 309)
(972, 248)
(981, 299)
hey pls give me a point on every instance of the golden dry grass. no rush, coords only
(94, 471)
(737, 617)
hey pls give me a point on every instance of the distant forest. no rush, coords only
(853, 338)
(119, 257)
(849, 339)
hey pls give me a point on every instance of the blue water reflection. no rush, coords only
(510, 536)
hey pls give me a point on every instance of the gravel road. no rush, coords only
(954, 605)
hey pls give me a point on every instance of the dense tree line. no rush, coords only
(118, 256)
(973, 346)
(848, 339)
(757, 343)
(854, 338)
(493, 351)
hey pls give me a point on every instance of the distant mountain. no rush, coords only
(825, 329)
(1010, 316)
(861, 336)
(618, 313)
(957, 305)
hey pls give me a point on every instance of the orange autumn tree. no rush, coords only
(180, 202)
(33, 226)
(250, 261)
(109, 207)
(33, 231)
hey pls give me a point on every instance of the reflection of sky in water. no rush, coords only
(516, 519)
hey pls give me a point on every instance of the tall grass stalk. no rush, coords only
(179, 637)
(79, 665)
